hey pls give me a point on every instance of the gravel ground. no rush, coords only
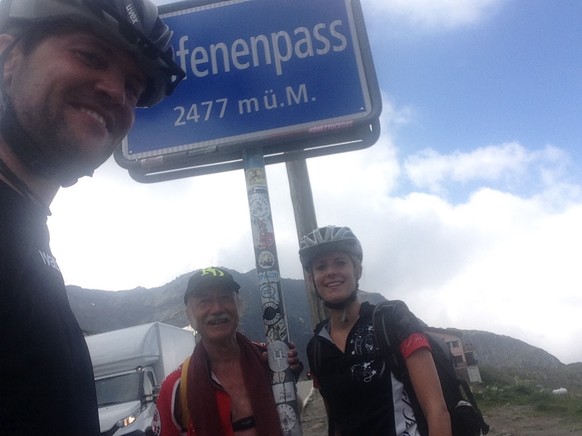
(521, 421)
(504, 421)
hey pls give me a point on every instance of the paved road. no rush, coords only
(304, 392)
(314, 418)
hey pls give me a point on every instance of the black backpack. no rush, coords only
(466, 418)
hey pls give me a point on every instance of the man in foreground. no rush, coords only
(73, 73)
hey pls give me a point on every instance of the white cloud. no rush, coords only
(429, 169)
(431, 14)
(152, 232)
(498, 263)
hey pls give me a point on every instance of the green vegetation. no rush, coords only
(501, 388)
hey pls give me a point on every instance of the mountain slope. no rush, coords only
(98, 311)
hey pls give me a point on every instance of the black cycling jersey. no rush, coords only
(362, 395)
(46, 376)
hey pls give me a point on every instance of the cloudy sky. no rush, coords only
(469, 207)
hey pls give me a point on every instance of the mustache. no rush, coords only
(217, 318)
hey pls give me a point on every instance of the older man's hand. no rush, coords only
(293, 360)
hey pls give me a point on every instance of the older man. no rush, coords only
(72, 74)
(224, 388)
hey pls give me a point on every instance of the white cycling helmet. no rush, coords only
(328, 238)
(133, 25)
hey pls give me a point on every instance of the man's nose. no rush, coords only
(216, 304)
(112, 84)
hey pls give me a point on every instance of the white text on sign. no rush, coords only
(277, 48)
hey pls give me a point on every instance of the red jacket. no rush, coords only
(166, 416)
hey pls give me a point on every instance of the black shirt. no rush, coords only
(362, 395)
(46, 376)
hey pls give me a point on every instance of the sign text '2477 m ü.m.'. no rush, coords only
(257, 69)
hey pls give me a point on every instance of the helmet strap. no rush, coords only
(342, 305)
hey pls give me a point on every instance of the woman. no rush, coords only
(361, 395)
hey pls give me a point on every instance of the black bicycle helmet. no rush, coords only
(325, 239)
(133, 25)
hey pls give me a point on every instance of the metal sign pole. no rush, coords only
(267, 263)
(306, 222)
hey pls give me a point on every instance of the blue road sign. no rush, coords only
(256, 70)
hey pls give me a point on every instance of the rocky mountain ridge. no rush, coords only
(99, 311)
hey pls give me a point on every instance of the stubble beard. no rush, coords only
(62, 150)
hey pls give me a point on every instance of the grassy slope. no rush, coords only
(503, 387)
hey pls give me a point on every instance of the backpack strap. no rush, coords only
(382, 320)
(184, 410)
(455, 390)
(314, 353)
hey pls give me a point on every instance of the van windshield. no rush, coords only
(119, 389)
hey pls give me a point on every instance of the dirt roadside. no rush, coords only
(504, 421)
(513, 420)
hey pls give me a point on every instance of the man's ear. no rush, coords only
(191, 318)
(9, 62)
